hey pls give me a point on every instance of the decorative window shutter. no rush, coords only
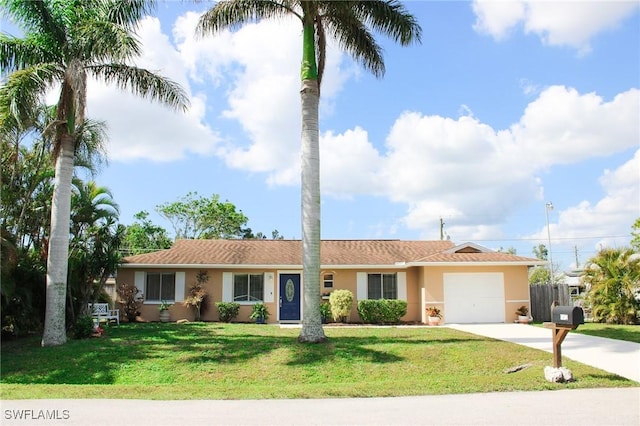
(361, 285)
(138, 281)
(402, 286)
(227, 287)
(180, 280)
(269, 287)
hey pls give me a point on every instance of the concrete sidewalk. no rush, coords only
(615, 356)
(562, 407)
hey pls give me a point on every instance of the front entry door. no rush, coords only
(289, 297)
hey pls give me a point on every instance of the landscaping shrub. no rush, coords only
(325, 312)
(228, 311)
(83, 327)
(383, 311)
(197, 299)
(341, 302)
(128, 295)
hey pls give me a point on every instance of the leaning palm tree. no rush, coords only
(351, 24)
(65, 42)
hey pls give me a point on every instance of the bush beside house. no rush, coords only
(129, 301)
(382, 311)
(341, 302)
(228, 311)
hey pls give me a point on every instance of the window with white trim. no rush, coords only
(248, 287)
(160, 287)
(382, 286)
(327, 280)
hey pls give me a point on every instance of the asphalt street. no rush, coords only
(620, 406)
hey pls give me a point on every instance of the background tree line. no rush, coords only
(97, 240)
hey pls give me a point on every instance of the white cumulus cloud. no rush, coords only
(141, 129)
(557, 23)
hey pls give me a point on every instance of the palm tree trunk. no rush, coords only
(311, 321)
(58, 255)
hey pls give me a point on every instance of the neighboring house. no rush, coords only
(468, 282)
(573, 279)
(110, 289)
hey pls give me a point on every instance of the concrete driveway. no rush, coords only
(614, 356)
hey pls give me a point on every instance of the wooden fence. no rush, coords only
(542, 296)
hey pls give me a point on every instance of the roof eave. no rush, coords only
(324, 266)
(479, 263)
(204, 265)
(244, 266)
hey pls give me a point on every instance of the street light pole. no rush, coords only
(548, 207)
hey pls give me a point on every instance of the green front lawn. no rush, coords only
(242, 361)
(630, 333)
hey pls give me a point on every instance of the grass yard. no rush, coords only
(246, 361)
(630, 333)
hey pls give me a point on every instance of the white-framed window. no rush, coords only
(327, 281)
(248, 287)
(382, 286)
(160, 286)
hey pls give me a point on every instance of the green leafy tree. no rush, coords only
(351, 24)
(539, 276)
(94, 257)
(540, 252)
(143, 236)
(247, 234)
(196, 217)
(635, 235)
(65, 42)
(27, 188)
(613, 279)
(94, 247)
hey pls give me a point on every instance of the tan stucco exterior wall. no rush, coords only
(149, 310)
(516, 286)
(347, 279)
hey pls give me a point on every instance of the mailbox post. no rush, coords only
(565, 319)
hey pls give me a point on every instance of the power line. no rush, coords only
(552, 238)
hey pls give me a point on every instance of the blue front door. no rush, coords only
(289, 297)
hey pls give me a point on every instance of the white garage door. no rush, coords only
(474, 297)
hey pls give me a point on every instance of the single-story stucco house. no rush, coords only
(469, 283)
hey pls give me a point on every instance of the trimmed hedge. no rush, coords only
(382, 311)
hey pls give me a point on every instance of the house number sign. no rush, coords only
(289, 290)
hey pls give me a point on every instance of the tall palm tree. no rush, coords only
(351, 24)
(65, 41)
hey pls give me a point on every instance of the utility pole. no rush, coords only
(549, 206)
(441, 229)
(575, 250)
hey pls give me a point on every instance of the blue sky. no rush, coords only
(505, 106)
